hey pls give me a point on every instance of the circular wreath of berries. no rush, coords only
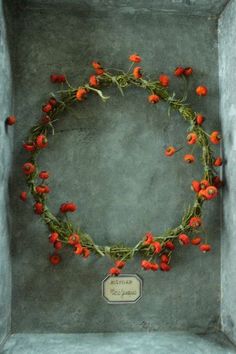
(156, 250)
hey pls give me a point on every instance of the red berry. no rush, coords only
(47, 108)
(73, 239)
(196, 241)
(170, 245)
(55, 259)
(29, 147)
(196, 186)
(78, 249)
(86, 252)
(93, 81)
(44, 175)
(195, 221)
(119, 264)
(53, 78)
(205, 248)
(164, 80)
(164, 258)
(61, 78)
(41, 141)
(68, 207)
(199, 119)
(23, 196)
(38, 208)
(184, 239)
(28, 168)
(53, 101)
(218, 161)
(53, 237)
(149, 238)
(157, 247)
(58, 245)
(45, 119)
(153, 98)
(165, 267)
(188, 71)
(114, 271)
(154, 267)
(179, 71)
(146, 265)
(11, 120)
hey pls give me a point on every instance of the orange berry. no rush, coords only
(153, 98)
(78, 249)
(164, 80)
(215, 137)
(170, 151)
(218, 161)
(199, 119)
(204, 183)
(201, 90)
(192, 138)
(81, 94)
(211, 192)
(195, 186)
(135, 58)
(93, 81)
(195, 221)
(137, 72)
(189, 158)
(196, 241)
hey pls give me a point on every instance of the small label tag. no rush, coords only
(124, 289)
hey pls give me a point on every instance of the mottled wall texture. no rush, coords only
(5, 163)
(109, 159)
(227, 64)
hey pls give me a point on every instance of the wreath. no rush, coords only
(156, 250)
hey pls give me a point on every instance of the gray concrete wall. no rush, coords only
(110, 161)
(190, 7)
(227, 79)
(6, 135)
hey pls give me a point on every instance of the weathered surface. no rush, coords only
(227, 61)
(5, 163)
(110, 160)
(187, 7)
(140, 343)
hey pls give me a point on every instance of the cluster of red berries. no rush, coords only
(50, 105)
(57, 78)
(73, 240)
(204, 189)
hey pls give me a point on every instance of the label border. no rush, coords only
(123, 302)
